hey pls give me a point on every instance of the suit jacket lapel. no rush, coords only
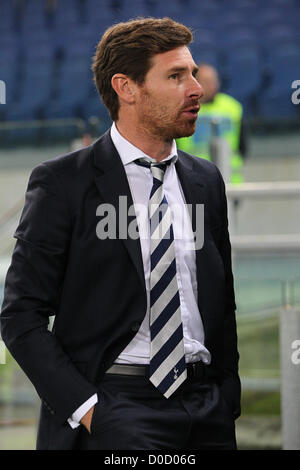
(191, 183)
(194, 191)
(111, 181)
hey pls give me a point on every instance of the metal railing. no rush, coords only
(289, 313)
(262, 190)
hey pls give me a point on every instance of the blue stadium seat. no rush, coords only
(243, 75)
(281, 52)
(37, 87)
(75, 73)
(204, 38)
(33, 16)
(61, 110)
(19, 112)
(279, 34)
(171, 9)
(269, 16)
(206, 7)
(132, 8)
(34, 92)
(8, 50)
(230, 20)
(285, 69)
(73, 86)
(276, 100)
(32, 38)
(280, 64)
(99, 13)
(205, 55)
(225, 33)
(8, 75)
(39, 51)
(67, 13)
(81, 49)
(277, 104)
(7, 17)
(195, 22)
(238, 37)
(284, 4)
(94, 107)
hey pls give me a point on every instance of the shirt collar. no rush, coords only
(128, 152)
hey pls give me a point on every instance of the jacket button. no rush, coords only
(135, 326)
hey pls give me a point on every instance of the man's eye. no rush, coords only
(174, 76)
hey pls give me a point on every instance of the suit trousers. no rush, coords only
(131, 414)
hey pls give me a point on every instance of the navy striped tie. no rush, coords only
(167, 362)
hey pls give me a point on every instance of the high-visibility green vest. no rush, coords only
(230, 112)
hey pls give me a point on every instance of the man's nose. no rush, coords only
(195, 89)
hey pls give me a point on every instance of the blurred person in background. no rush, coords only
(232, 128)
(143, 351)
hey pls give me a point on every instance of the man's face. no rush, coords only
(168, 100)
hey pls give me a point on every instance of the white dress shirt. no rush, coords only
(140, 182)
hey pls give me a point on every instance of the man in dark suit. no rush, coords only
(143, 350)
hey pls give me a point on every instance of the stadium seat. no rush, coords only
(9, 50)
(8, 75)
(279, 35)
(94, 107)
(7, 17)
(225, 37)
(57, 111)
(100, 14)
(67, 12)
(276, 100)
(243, 76)
(239, 37)
(39, 51)
(171, 9)
(33, 16)
(131, 8)
(277, 104)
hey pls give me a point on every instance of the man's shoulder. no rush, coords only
(204, 171)
(73, 165)
(197, 163)
(70, 161)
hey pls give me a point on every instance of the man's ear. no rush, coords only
(124, 87)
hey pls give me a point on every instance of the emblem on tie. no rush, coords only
(175, 373)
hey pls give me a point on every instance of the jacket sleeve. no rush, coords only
(32, 293)
(231, 382)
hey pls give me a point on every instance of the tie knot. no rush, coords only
(157, 169)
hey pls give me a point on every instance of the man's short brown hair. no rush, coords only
(128, 48)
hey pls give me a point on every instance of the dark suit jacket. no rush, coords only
(96, 288)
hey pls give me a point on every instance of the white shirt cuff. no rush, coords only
(74, 420)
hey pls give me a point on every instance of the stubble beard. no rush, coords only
(163, 123)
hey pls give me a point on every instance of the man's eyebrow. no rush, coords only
(183, 69)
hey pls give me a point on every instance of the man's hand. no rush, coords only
(87, 419)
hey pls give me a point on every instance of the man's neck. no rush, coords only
(152, 146)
